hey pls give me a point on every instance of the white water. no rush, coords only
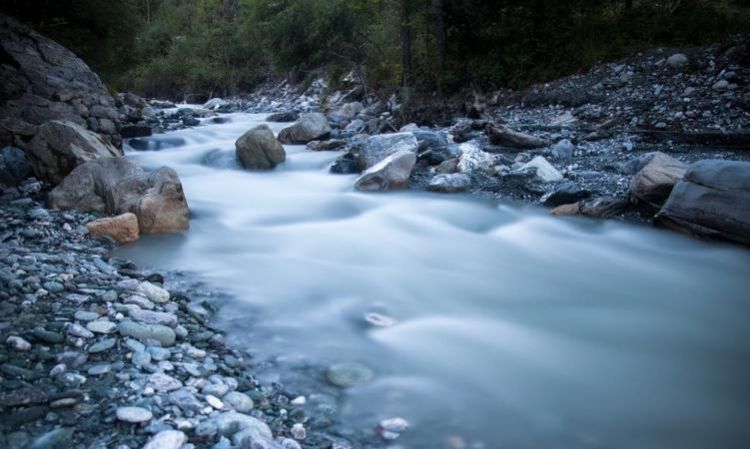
(516, 330)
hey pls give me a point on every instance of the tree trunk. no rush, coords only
(439, 24)
(406, 50)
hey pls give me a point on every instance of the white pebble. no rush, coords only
(298, 432)
(18, 343)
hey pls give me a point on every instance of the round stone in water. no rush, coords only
(349, 374)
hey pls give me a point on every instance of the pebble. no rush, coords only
(102, 345)
(163, 382)
(77, 330)
(139, 301)
(166, 439)
(238, 401)
(101, 326)
(214, 402)
(83, 315)
(298, 431)
(149, 317)
(143, 332)
(133, 415)
(349, 374)
(153, 292)
(53, 439)
(18, 343)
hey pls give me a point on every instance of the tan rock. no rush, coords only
(655, 181)
(566, 210)
(122, 228)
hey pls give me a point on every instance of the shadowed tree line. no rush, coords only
(225, 47)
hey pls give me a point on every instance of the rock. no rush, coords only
(309, 127)
(134, 415)
(391, 173)
(721, 85)
(119, 185)
(131, 131)
(347, 164)
(17, 343)
(166, 439)
(101, 346)
(153, 292)
(215, 103)
(563, 149)
(565, 210)
(503, 136)
(145, 332)
(471, 158)
(655, 181)
(567, 193)
(258, 149)
(122, 228)
(77, 330)
(603, 207)
(163, 382)
(377, 148)
(60, 437)
(543, 170)
(283, 117)
(298, 431)
(678, 61)
(326, 145)
(346, 113)
(449, 183)
(238, 401)
(185, 400)
(58, 147)
(356, 126)
(190, 121)
(43, 81)
(349, 374)
(14, 166)
(229, 423)
(712, 200)
(149, 317)
(101, 326)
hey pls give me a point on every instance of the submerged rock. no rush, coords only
(391, 173)
(258, 149)
(349, 374)
(312, 126)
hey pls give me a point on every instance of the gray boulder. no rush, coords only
(712, 200)
(346, 113)
(43, 81)
(312, 126)
(14, 167)
(391, 173)
(258, 149)
(653, 183)
(58, 147)
(377, 148)
(118, 185)
(449, 183)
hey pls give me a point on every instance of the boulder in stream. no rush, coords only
(122, 228)
(391, 173)
(312, 126)
(377, 148)
(258, 149)
(653, 183)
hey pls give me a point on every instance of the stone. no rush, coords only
(346, 113)
(185, 400)
(356, 126)
(43, 81)
(166, 439)
(309, 127)
(238, 401)
(258, 149)
(712, 200)
(449, 183)
(101, 346)
(326, 145)
(349, 374)
(163, 382)
(563, 149)
(655, 181)
(215, 103)
(229, 423)
(14, 166)
(57, 438)
(58, 147)
(101, 326)
(283, 117)
(145, 332)
(377, 148)
(346, 164)
(678, 61)
(150, 317)
(391, 173)
(541, 169)
(503, 136)
(153, 292)
(132, 131)
(567, 193)
(122, 228)
(214, 402)
(471, 159)
(298, 431)
(133, 415)
(602, 207)
(17, 343)
(77, 330)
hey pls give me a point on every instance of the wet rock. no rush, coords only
(132, 131)
(101, 326)
(150, 317)
(103, 345)
(167, 439)
(449, 183)
(567, 193)
(563, 149)
(298, 431)
(122, 228)
(503, 136)
(356, 126)
(58, 147)
(215, 103)
(712, 200)
(145, 332)
(238, 401)
(377, 148)
(24, 396)
(258, 149)
(349, 374)
(391, 173)
(185, 400)
(311, 126)
(153, 292)
(346, 113)
(391, 428)
(163, 382)
(326, 145)
(77, 330)
(655, 181)
(541, 169)
(18, 344)
(53, 439)
(283, 117)
(603, 207)
(229, 423)
(134, 415)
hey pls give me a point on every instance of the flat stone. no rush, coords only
(167, 439)
(150, 317)
(238, 401)
(144, 332)
(101, 326)
(134, 415)
(229, 423)
(18, 343)
(83, 315)
(163, 382)
(102, 345)
(349, 374)
(153, 292)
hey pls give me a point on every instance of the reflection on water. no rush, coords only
(514, 329)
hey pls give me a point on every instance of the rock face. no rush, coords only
(258, 149)
(503, 136)
(58, 147)
(119, 185)
(312, 126)
(377, 148)
(122, 228)
(655, 181)
(43, 81)
(712, 200)
(391, 173)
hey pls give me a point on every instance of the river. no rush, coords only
(513, 329)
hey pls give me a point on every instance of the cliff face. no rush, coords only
(43, 81)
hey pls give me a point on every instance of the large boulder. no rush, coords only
(346, 113)
(14, 166)
(118, 185)
(505, 137)
(377, 148)
(712, 200)
(58, 147)
(312, 126)
(258, 149)
(391, 173)
(43, 81)
(653, 183)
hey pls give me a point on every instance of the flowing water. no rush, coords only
(514, 329)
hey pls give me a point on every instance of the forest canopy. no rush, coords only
(225, 47)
